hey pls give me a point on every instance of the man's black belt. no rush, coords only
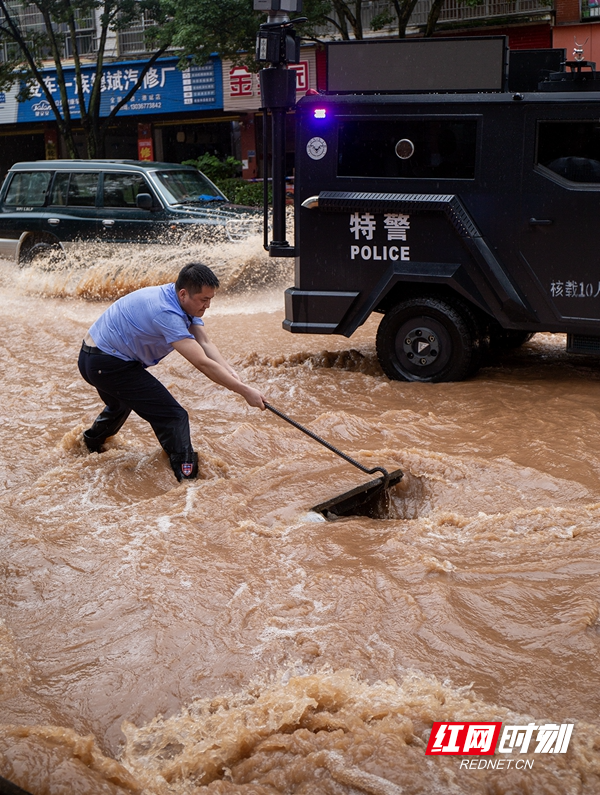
(90, 348)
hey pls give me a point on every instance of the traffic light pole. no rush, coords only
(277, 45)
(277, 86)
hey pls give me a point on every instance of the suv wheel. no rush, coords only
(51, 252)
(427, 339)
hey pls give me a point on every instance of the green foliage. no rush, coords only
(250, 194)
(229, 27)
(237, 190)
(29, 51)
(382, 20)
(206, 26)
(229, 186)
(225, 175)
(215, 169)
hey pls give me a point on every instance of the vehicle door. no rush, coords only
(121, 220)
(72, 214)
(22, 209)
(560, 202)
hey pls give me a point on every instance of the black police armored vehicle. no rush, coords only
(433, 189)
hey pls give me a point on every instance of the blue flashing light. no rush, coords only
(320, 113)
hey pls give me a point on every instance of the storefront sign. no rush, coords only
(8, 106)
(165, 89)
(145, 142)
(241, 88)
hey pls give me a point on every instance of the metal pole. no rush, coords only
(278, 116)
(278, 154)
(265, 180)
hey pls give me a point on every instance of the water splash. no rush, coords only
(97, 271)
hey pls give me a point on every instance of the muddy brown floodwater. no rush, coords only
(217, 636)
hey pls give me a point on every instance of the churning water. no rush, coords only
(217, 636)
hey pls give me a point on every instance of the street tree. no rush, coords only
(229, 27)
(27, 49)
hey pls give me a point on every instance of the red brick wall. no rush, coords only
(529, 37)
(321, 59)
(520, 37)
(567, 11)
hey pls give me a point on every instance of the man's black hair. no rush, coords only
(194, 276)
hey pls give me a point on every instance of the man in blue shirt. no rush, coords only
(136, 332)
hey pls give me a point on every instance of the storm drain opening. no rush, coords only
(372, 499)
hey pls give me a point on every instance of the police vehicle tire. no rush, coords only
(479, 336)
(427, 339)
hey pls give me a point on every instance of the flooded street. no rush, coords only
(216, 636)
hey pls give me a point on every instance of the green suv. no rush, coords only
(47, 205)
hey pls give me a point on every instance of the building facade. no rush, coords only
(179, 115)
(578, 22)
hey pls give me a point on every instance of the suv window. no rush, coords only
(570, 149)
(82, 190)
(60, 188)
(74, 189)
(408, 148)
(188, 187)
(28, 188)
(121, 190)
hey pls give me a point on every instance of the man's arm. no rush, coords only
(210, 349)
(195, 354)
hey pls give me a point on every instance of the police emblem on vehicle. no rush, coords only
(316, 148)
(187, 469)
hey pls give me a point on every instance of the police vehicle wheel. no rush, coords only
(426, 339)
(480, 340)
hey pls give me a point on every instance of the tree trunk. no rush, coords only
(404, 12)
(101, 141)
(434, 15)
(342, 26)
(357, 26)
(341, 10)
(346, 16)
(69, 141)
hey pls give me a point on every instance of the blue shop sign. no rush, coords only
(165, 89)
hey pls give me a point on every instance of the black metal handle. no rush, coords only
(333, 449)
(540, 222)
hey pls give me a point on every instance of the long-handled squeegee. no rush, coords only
(371, 499)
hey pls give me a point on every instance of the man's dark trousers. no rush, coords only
(128, 386)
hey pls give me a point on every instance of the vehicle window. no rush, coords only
(82, 190)
(188, 187)
(408, 148)
(121, 190)
(570, 149)
(28, 188)
(60, 188)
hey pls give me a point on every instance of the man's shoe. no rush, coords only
(92, 444)
(184, 465)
